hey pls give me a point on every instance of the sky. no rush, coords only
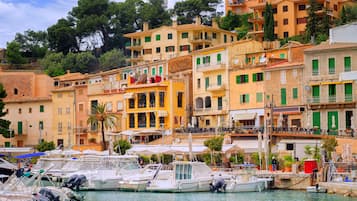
(17, 16)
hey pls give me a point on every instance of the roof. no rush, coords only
(69, 88)
(182, 27)
(284, 64)
(70, 76)
(27, 99)
(333, 46)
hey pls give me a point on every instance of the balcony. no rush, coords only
(332, 102)
(209, 111)
(201, 40)
(134, 46)
(236, 3)
(136, 58)
(81, 130)
(254, 20)
(208, 67)
(113, 87)
(216, 88)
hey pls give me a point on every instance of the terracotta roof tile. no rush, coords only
(70, 76)
(327, 46)
(284, 64)
(27, 99)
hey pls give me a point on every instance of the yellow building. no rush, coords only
(212, 96)
(167, 42)
(28, 106)
(154, 109)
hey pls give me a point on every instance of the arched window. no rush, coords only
(15, 91)
(208, 102)
(199, 103)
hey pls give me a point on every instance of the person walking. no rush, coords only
(274, 163)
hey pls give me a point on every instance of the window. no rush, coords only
(158, 49)
(145, 71)
(30, 110)
(331, 65)
(275, 23)
(315, 67)
(283, 96)
(259, 97)
(214, 35)
(219, 80)
(160, 70)
(162, 99)
(109, 106)
(302, 7)
(348, 92)
(206, 82)
(40, 125)
(283, 77)
(142, 120)
(219, 58)
(59, 111)
(295, 73)
(289, 146)
(335, 8)
(20, 110)
(131, 120)
(147, 51)
(208, 122)
(184, 48)
(179, 99)
(59, 127)
(285, 8)
(198, 83)
(275, 11)
(301, 20)
(170, 49)
(198, 61)
(232, 38)
(244, 98)
(153, 71)
(258, 77)
(15, 91)
(147, 39)
(349, 114)
(225, 38)
(282, 56)
(286, 34)
(347, 63)
(42, 108)
(169, 36)
(219, 103)
(295, 93)
(316, 94)
(285, 21)
(162, 121)
(119, 105)
(19, 127)
(208, 102)
(152, 99)
(199, 103)
(184, 35)
(141, 100)
(332, 93)
(241, 79)
(68, 110)
(157, 37)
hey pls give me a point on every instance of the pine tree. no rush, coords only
(312, 20)
(343, 16)
(268, 23)
(4, 124)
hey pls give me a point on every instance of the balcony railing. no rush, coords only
(331, 99)
(315, 72)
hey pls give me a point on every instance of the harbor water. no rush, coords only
(276, 195)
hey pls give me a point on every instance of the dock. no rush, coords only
(341, 188)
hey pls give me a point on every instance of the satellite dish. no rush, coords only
(307, 88)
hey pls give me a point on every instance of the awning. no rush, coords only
(162, 113)
(244, 116)
(248, 146)
(129, 95)
(37, 154)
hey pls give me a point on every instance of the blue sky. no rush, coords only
(17, 16)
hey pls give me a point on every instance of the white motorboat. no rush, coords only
(185, 177)
(140, 180)
(246, 183)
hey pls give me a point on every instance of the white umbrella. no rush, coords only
(190, 145)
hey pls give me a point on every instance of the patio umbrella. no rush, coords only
(36, 154)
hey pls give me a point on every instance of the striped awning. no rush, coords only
(244, 116)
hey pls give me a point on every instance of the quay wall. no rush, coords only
(341, 188)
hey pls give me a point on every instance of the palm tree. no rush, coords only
(105, 119)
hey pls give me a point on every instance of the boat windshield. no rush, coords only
(183, 171)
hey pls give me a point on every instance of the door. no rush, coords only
(315, 94)
(19, 127)
(332, 122)
(348, 92)
(316, 122)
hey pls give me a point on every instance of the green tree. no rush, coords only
(33, 44)
(268, 23)
(79, 62)
(52, 64)
(4, 124)
(122, 145)
(230, 21)
(214, 145)
(13, 54)
(312, 20)
(186, 11)
(348, 14)
(154, 13)
(112, 59)
(45, 146)
(102, 117)
(329, 144)
(62, 37)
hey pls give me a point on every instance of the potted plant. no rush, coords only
(288, 162)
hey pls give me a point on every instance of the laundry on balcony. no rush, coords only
(142, 79)
(244, 116)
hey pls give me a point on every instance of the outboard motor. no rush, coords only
(75, 181)
(218, 186)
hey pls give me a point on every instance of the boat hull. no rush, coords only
(250, 186)
(180, 186)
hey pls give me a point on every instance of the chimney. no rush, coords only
(68, 72)
(145, 26)
(198, 20)
(174, 21)
(214, 23)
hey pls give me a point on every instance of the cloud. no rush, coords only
(19, 16)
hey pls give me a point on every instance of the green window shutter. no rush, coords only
(347, 62)
(348, 92)
(315, 67)
(241, 98)
(316, 91)
(7, 144)
(225, 38)
(316, 121)
(262, 76)
(19, 127)
(282, 56)
(198, 61)
(219, 80)
(219, 58)
(219, 102)
(158, 37)
(147, 39)
(145, 71)
(246, 79)
(207, 82)
(332, 90)
(238, 79)
(160, 70)
(204, 60)
(295, 93)
(254, 77)
(246, 60)
(184, 35)
(331, 65)
(283, 96)
(247, 98)
(259, 97)
(332, 122)
(42, 108)
(208, 59)
(153, 71)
